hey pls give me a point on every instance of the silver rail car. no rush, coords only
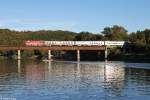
(59, 43)
(114, 43)
(89, 43)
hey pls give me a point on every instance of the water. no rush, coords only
(34, 80)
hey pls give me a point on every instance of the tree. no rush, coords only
(85, 36)
(115, 33)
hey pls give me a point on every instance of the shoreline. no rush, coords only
(147, 60)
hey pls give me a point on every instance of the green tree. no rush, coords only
(115, 33)
(85, 36)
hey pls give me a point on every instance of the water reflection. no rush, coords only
(114, 78)
(35, 72)
(114, 72)
(28, 80)
(78, 69)
(49, 65)
(19, 66)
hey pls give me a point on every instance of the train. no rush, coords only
(73, 43)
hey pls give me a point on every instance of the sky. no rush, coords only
(74, 15)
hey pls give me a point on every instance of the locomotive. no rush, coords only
(73, 43)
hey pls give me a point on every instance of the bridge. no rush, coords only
(66, 46)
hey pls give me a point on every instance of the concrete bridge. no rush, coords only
(65, 47)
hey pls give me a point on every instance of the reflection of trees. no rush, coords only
(138, 76)
(8, 66)
(35, 72)
(10, 79)
(89, 77)
(109, 78)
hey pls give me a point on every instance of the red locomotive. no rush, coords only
(34, 43)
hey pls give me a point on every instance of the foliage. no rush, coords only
(140, 40)
(115, 33)
(15, 38)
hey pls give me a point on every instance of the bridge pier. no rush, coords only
(19, 55)
(106, 53)
(78, 55)
(49, 55)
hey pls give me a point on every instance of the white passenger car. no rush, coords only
(68, 43)
(82, 43)
(89, 43)
(52, 43)
(59, 43)
(96, 43)
(115, 43)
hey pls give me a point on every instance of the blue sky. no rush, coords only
(74, 15)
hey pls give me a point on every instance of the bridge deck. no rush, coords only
(59, 48)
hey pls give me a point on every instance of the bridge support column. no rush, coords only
(49, 55)
(19, 55)
(78, 55)
(106, 53)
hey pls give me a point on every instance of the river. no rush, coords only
(66, 80)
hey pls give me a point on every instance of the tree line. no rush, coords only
(140, 40)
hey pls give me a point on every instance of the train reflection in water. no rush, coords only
(83, 80)
(110, 74)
